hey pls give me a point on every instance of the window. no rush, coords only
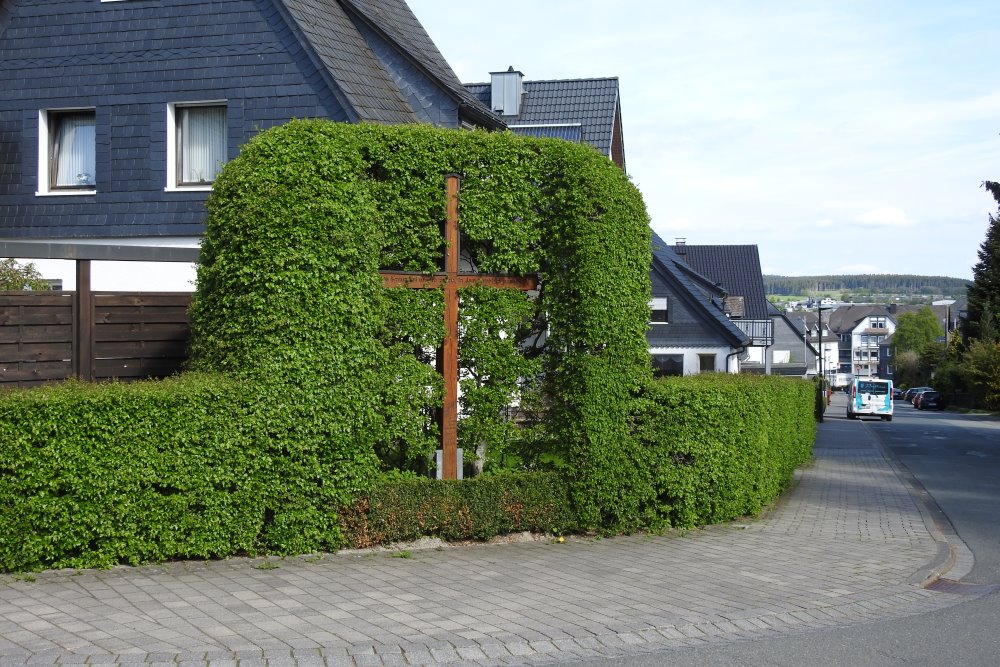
(668, 364)
(658, 311)
(878, 323)
(706, 363)
(67, 148)
(196, 144)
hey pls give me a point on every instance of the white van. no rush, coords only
(870, 396)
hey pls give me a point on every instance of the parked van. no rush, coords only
(870, 396)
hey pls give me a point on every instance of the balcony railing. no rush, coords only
(760, 332)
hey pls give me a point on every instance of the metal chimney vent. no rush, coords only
(507, 88)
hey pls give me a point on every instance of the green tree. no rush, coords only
(982, 368)
(906, 369)
(984, 292)
(915, 331)
(14, 276)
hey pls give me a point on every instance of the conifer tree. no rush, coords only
(984, 292)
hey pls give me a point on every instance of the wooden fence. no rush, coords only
(51, 336)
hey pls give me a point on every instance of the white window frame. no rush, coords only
(172, 107)
(662, 301)
(45, 188)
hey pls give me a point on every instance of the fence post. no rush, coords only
(83, 340)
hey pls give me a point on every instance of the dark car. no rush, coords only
(917, 394)
(911, 393)
(930, 400)
(897, 393)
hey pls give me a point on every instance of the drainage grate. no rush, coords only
(958, 588)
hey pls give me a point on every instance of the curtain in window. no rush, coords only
(202, 143)
(73, 149)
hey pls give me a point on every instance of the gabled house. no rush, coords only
(791, 352)
(118, 114)
(689, 331)
(864, 331)
(735, 269)
(579, 110)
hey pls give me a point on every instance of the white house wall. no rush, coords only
(692, 362)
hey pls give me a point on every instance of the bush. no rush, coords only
(475, 509)
(95, 475)
(722, 446)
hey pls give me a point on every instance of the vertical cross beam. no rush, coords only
(449, 413)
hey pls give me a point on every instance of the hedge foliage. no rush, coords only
(722, 446)
(289, 297)
(310, 379)
(94, 475)
(474, 509)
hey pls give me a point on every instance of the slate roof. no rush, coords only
(703, 293)
(334, 30)
(593, 103)
(736, 267)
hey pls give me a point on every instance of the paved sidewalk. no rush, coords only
(848, 543)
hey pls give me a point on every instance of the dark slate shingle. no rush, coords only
(592, 103)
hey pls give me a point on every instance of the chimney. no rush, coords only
(507, 90)
(680, 247)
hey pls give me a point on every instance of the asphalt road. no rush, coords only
(956, 458)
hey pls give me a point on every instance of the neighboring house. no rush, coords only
(118, 114)
(826, 342)
(580, 110)
(791, 353)
(689, 331)
(864, 331)
(735, 269)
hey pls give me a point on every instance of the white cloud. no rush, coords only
(884, 216)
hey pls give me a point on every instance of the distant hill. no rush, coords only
(870, 284)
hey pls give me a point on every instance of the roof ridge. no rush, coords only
(526, 81)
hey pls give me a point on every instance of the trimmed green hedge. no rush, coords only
(722, 446)
(315, 375)
(716, 447)
(289, 297)
(475, 509)
(95, 475)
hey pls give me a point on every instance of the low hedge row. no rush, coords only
(723, 446)
(191, 467)
(200, 466)
(475, 509)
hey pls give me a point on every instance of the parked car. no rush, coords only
(917, 396)
(897, 393)
(910, 393)
(930, 400)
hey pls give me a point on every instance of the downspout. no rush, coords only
(741, 350)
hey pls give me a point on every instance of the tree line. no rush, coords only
(874, 283)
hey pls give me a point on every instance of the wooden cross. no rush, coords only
(452, 280)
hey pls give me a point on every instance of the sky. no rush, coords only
(838, 137)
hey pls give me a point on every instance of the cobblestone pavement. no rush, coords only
(848, 543)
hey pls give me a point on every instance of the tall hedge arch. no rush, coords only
(289, 298)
